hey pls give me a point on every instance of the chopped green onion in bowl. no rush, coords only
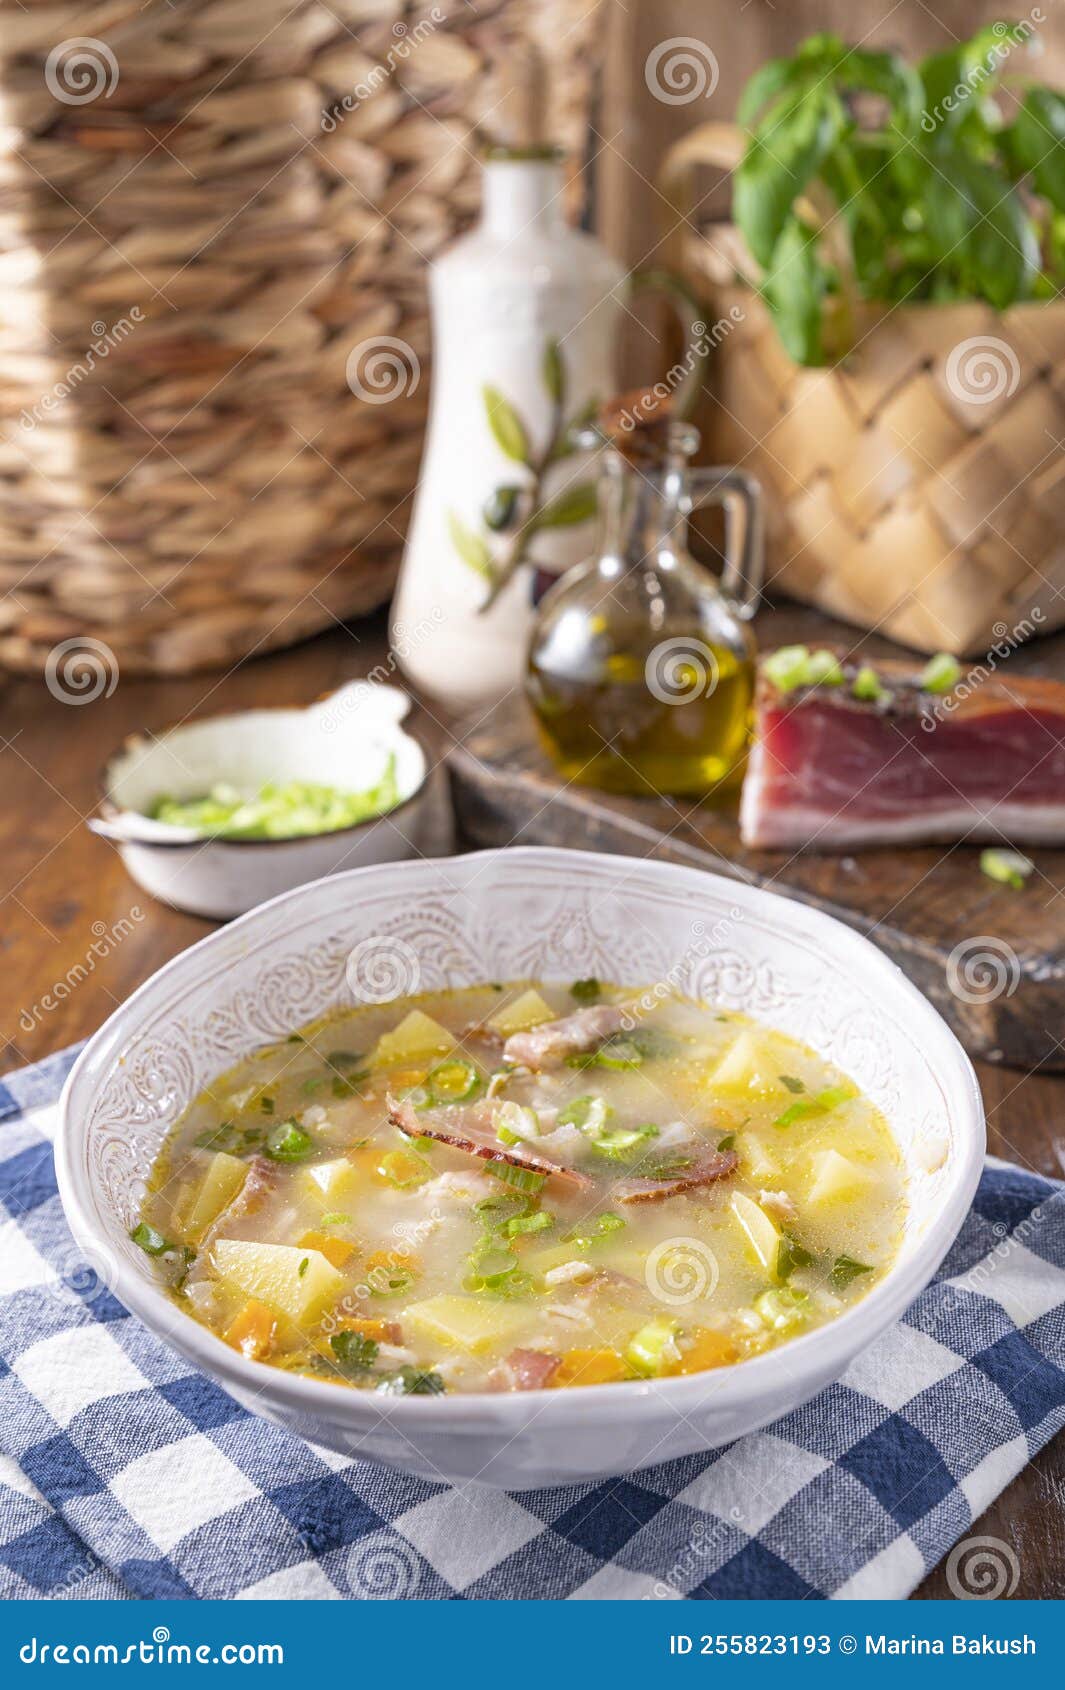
(1009, 868)
(280, 810)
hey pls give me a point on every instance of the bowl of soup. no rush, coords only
(529, 1167)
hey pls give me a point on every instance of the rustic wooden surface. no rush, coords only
(60, 884)
(918, 905)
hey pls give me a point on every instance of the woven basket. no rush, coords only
(214, 226)
(918, 486)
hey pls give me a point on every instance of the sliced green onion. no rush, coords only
(540, 1222)
(653, 1347)
(288, 1142)
(940, 673)
(619, 1143)
(149, 1239)
(1009, 868)
(791, 1082)
(515, 1121)
(304, 1265)
(727, 1142)
(619, 1053)
(522, 1179)
(590, 1114)
(453, 1082)
(602, 1227)
(797, 666)
(787, 667)
(820, 1104)
(824, 669)
(586, 991)
(868, 686)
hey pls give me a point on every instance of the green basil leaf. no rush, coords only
(1037, 143)
(793, 289)
(781, 160)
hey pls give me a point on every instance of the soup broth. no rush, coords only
(523, 1186)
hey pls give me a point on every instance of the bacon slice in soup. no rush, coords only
(704, 1170)
(548, 1045)
(470, 1128)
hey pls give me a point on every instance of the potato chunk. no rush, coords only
(529, 1010)
(224, 1178)
(329, 1179)
(271, 1274)
(464, 1323)
(416, 1035)
(836, 1178)
(762, 1236)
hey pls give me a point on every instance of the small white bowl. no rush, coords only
(343, 741)
(499, 915)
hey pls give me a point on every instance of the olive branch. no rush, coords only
(519, 510)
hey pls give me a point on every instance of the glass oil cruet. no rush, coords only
(641, 665)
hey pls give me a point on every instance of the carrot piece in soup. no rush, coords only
(253, 1331)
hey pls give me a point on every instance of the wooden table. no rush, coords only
(66, 890)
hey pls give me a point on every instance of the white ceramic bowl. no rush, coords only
(493, 916)
(342, 741)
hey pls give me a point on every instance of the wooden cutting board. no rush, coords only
(991, 959)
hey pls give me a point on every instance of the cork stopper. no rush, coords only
(639, 426)
(517, 127)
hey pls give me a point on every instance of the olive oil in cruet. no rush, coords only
(641, 665)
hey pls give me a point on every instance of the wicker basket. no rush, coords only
(213, 336)
(918, 486)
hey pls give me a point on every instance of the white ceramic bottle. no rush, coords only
(525, 316)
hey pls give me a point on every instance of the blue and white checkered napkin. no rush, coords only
(127, 1475)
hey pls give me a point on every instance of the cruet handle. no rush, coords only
(740, 495)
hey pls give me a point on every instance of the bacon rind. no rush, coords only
(551, 1042)
(718, 1165)
(458, 1129)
